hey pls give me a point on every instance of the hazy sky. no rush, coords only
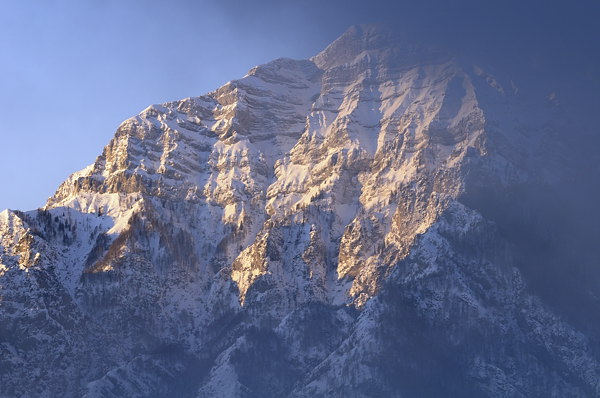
(72, 70)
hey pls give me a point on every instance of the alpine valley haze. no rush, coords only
(384, 219)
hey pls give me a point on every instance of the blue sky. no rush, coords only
(72, 70)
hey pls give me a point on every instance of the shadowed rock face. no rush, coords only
(380, 220)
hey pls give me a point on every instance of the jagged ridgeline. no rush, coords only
(383, 219)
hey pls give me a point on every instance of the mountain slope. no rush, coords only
(369, 222)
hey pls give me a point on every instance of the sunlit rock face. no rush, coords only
(384, 219)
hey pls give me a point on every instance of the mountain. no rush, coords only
(383, 219)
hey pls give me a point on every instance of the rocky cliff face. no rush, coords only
(373, 221)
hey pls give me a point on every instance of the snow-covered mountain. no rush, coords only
(383, 219)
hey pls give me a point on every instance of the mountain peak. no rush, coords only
(306, 222)
(376, 40)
